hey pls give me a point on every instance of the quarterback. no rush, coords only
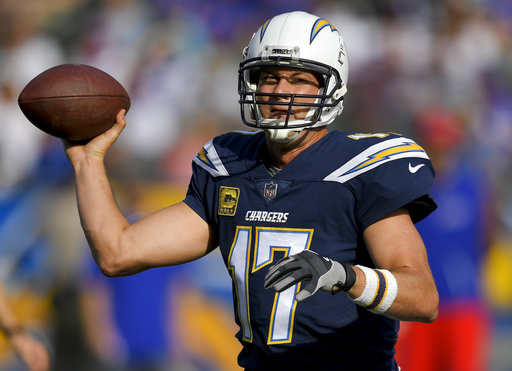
(316, 227)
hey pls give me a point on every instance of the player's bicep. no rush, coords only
(173, 235)
(394, 242)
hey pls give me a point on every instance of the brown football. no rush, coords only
(73, 101)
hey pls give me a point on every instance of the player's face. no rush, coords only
(286, 81)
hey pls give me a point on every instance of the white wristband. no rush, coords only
(379, 291)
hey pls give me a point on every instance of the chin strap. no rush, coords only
(281, 135)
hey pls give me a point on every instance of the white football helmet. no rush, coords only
(301, 40)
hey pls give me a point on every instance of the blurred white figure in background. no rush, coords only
(24, 53)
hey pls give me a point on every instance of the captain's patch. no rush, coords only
(228, 200)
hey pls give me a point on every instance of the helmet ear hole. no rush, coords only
(254, 76)
(321, 79)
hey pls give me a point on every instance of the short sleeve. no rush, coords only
(194, 197)
(396, 184)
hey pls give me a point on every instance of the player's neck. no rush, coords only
(280, 155)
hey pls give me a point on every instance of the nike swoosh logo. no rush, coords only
(414, 169)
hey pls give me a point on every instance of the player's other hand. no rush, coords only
(33, 353)
(97, 147)
(317, 272)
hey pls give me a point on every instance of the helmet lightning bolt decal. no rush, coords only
(318, 26)
(263, 29)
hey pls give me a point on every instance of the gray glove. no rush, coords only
(321, 274)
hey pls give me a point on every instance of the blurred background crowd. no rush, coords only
(439, 71)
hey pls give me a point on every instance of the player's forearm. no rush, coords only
(102, 221)
(416, 299)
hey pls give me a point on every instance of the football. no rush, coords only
(73, 101)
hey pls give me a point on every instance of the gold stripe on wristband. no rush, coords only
(380, 290)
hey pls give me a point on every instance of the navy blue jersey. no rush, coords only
(323, 200)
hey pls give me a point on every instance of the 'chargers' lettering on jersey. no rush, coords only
(266, 216)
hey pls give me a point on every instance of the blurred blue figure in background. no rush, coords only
(132, 323)
(128, 321)
(457, 242)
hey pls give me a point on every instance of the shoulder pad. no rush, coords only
(209, 160)
(375, 155)
(211, 156)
